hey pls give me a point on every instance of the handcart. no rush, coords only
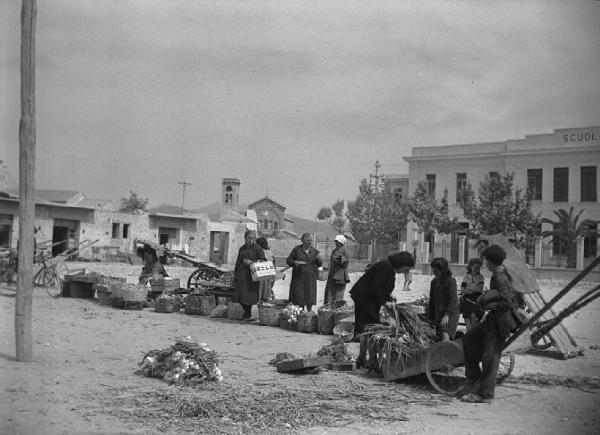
(443, 362)
(207, 276)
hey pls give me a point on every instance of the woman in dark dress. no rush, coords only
(442, 310)
(246, 289)
(375, 288)
(304, 259)
(338, 272)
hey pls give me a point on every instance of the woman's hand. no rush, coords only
(299, 263)
(247, 262)
(444, 321)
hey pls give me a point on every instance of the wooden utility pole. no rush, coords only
(23, 303)
(184, 184)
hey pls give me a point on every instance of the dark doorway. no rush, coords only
(5, 230)
(65, 236)
(219, 245)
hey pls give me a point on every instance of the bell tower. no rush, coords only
(231, 193)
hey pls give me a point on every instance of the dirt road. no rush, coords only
(84, 378)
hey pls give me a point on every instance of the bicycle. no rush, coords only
(50, 275)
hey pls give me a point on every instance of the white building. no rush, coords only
(561, 167)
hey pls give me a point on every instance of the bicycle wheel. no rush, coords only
(52, 282)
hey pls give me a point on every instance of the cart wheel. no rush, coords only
(506, 366)
(444, 367)
(52, 282)
(203, 273)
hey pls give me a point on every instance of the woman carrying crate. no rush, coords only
(246, 289)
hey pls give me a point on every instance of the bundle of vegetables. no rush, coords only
(337, 351)
(403, 336)
(423, 301)
(282, 356)
(290, 313)
(187, 361)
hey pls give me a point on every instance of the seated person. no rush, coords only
(152, 269)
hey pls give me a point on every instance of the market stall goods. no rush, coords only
(288, 317)
(186, 361)
(402, 337)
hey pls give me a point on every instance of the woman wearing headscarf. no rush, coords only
(304, 261)
(246, 289)
(338, 272)
(375, 288)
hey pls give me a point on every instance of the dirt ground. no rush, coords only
(84, 378)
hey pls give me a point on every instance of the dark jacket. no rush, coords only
(246, 289)
(443, 300)
(376, 285)
(303, 287)
(499, 301)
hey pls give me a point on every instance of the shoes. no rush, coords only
(475, 398)
(468, 388)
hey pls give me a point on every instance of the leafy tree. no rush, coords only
(339, 221)
(566, 229)
(133, 203)
(376, 215)
(324, 214)
(498, 208)
(428, 214)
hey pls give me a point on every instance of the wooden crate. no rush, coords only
(164, 285)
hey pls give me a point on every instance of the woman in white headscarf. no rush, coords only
(338, 272)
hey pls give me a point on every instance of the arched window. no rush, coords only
(275, 225)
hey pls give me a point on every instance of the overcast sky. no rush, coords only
(297, 98)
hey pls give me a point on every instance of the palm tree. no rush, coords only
(566, 230)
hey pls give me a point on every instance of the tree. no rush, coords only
(339, 222)
(499, 208)
(428, 214)
(133, 203)
(376, 216)
(324, 214)
(566, 229)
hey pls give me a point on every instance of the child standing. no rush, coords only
(470, 289)
(442, 310)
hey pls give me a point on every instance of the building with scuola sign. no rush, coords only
(561, 168)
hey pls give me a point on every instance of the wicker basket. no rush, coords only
(341, 314)
(308, 322)
(326, 320)
(167, 305)
(285, 324)
(235, 311)
(200, 304)
(267, 315)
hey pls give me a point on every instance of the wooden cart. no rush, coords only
(206, 275)
(443, 362)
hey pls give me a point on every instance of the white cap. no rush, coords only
(341, 239)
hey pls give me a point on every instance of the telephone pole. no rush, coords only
(184, 184)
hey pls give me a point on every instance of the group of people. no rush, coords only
(304, 260)
(489, 315)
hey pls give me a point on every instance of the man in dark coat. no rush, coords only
(484, 342)
(375, 288)
(246, 289)
(304, 259)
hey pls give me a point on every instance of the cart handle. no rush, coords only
(549, 305)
